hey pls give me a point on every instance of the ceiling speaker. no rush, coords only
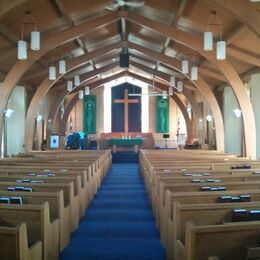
(124, 60)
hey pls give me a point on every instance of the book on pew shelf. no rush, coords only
(16, 200)
(4, 200)
(196, 180)
(239, 215)
(51, 175)
(166, 170)
(46, 170)
(187, 174)
(247, 166)
(65, 170)
(28, 189)
(245, 198)
(11, 188)
(210, 180)
(18, 181)
(183, 170)
(222, 188)
(203, 181)
(253, 215)
(235, 199)
(217, 180)
(19, 188)
(214, 189)
(37, 181)
(225, 199)
(256, 172)
(205, 188)
(32, 174)
(206, 174)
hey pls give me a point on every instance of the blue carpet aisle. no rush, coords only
(119, 224)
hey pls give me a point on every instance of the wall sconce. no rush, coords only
(69, 85)
(38, 118)
(170, 90)
(87, 91)
(209, 118)
(8, 112)
(237, 112)
(164, 96)
(81, 94)
(76, 80)
(172, 81)
(180, 86)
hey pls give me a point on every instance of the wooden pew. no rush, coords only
(14, 244)
(227, 241)
(70, 201)
(200, 215)
(56, 208)
(39, 226)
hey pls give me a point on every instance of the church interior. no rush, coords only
(130, 129)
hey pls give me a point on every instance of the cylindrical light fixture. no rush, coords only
(62, 66)
(87, 90)
(22, 50)
(52, 73)
(69, 85)
(221, 50)
(81, 94)
(185, 66)
(35, 40)
(180, 86)
(76, 80)
(172, 81)
(194, 73)
(208, 41)
(170, 90)
(164, 94)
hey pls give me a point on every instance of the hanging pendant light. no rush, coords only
(208, 41)
(194, 73)
(170, 90)
(87, 91)
(35, 40)
(62, 66)
(185, 66)
(164, 94)
(180, 86)
(76, 80)
(22, 50)
(81, 94)
(172, 81)
(69, 85)
(52, 73)
(221, 50)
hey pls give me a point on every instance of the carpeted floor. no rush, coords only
(119, 223)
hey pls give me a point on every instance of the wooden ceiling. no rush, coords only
(131, 29)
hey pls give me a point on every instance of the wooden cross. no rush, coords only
(126, 101)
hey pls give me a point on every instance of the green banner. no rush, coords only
(89, 114)
(162, 115)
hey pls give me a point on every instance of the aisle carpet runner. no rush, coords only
(119, 223)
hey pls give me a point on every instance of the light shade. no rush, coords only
(164, 94)
(76, 80)
(209, 118)
(185, 66)
(208, 41)
(180, 86)
(52, 73)
(35, 40)
(87, 91)
(194, 73)
(62, 66)
(81, 94)
(237, 112)
(170, 90)
(172, 81)
(221, 50)
(8, 112)
(69, 85)
(22, 50)
(39, 118)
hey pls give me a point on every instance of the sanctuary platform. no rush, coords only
(108, 140)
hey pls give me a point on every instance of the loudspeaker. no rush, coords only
(166, 136)
(124, 60)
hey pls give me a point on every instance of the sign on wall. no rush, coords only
(162, 115)
(89, 118)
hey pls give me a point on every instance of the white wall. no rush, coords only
(15, 125)
(254, 85)
(232, 124)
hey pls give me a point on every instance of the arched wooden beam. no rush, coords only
(201, 84)
(196, 43)
(84, 78)
(245, 13)
(178, 101)
(47, 84)
(48, 43)
(66, 114)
